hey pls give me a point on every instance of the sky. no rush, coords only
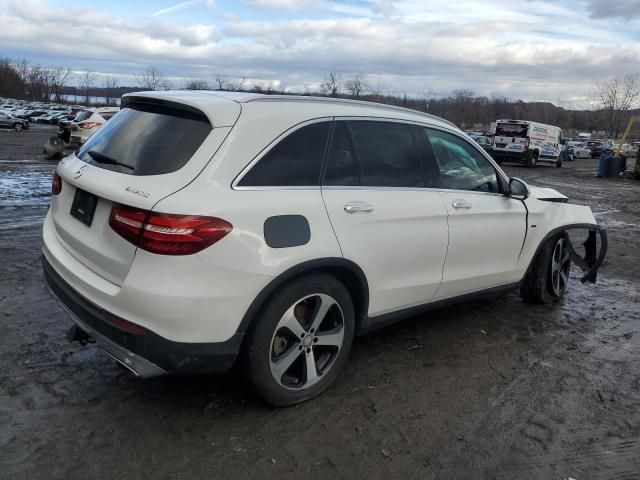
(535, 50)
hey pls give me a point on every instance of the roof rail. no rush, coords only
(305, 98)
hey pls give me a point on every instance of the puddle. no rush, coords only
(31, 186)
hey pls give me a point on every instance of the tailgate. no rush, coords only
(91, 184)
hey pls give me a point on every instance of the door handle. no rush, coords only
(460, 204)
(358, 207)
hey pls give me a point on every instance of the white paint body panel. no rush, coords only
(412, 247)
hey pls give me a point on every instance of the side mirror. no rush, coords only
(518, 189)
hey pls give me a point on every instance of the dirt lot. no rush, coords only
(489, 389)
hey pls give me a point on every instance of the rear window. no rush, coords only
(516, 130)
(147, 139)
(83, 115)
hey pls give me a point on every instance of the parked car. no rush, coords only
(8, 121)
(581, 150)
(485, 142)
(596, 147)
(88, 121)
(527, 142)
(27, 114)
(196, 227)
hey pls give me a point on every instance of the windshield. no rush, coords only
(146, 140)
(517, 130)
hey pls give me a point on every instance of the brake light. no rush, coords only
(88, 125)
(527, 140)
(165, 233)
(56, 184)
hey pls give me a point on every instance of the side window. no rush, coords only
(295, 161)
(373, 154)
(461, 166)
(341, 169)
(387, 154)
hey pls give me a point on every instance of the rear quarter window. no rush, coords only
(294, 161)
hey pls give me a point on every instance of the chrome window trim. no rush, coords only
(410, 189)
(274, 142)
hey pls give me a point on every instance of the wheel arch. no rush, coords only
(346, 271)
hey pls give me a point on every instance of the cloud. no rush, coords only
(415, 46)
(618, 8)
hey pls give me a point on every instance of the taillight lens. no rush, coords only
(165, 233)
(87, 125)
(56, 184)
(527, 141)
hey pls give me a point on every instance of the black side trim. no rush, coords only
(322, 264)
(380, 321)
(173, 357)
(554, 200)
(284, 231)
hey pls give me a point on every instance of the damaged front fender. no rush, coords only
(592, 259)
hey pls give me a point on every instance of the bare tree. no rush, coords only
(614, 96)
(152, 79)
(221, 82)
(196, 84)
(110, 85)
(236, 84)
(356, 86)
(331, 84)
(85, 82)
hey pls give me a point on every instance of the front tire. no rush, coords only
(559, 162)
(300, 340)
(548, 277)
(18, 127)
(532, 159)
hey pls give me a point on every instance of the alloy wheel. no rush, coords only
(307, 341)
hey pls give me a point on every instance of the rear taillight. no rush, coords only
(56, 184)
(88, 125)
(527, 141)
(165, 233)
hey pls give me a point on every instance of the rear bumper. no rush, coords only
(508, 156)
(146, 354)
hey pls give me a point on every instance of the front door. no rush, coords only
(486, 228)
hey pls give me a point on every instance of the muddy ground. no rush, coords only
(489, 389)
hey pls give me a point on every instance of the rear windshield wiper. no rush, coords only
(102, 158)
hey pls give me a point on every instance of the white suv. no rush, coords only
(88, 121)
(195, 227)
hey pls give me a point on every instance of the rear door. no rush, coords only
(143, 154)
(385, 220)
(486, 228)
(511, 137)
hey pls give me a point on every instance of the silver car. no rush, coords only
(7, 121)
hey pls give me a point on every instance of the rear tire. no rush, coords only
(548, 277)
(300, 340)
(532, 159)
(559, 162)
(18, 127)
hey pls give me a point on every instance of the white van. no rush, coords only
(528, 142)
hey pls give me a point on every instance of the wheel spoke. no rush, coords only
(563, 277)
(330, 339)
(312, 373)
(290, 321)
(326, 302)
(565, 257)
(280, 366)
